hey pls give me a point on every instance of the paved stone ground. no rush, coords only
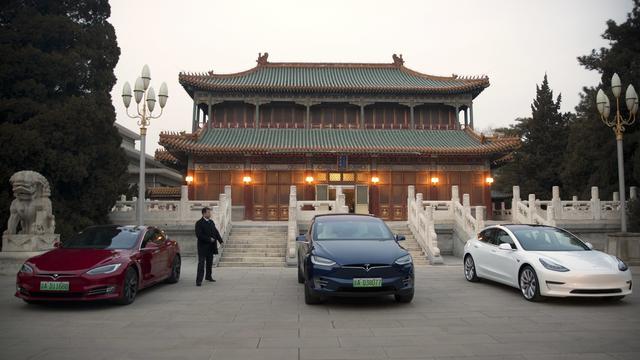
(260, 314)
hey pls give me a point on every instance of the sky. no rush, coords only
(514, 42)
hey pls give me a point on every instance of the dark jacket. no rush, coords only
(208, 237)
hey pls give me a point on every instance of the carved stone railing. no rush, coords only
(421, 224)
(464, 220)
(181, 212)
(593, 211)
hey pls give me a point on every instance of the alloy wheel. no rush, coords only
(469, 268)
(528, 283)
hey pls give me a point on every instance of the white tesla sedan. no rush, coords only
(544, 261)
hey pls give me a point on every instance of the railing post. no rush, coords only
(556, 203)
(455, 194)
(532, 208)
(596, 208)
(292, 228)
(514, 204)
(479, 218)
(633, 193)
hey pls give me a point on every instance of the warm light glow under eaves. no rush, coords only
(309, 179)
(189, 179)
(489, 180)
(375, 180)
(246, 179)
(435, 180)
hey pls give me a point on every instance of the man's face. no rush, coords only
(207, 214)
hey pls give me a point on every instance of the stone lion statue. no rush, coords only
(31, 208)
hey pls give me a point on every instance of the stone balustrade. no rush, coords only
(181, 212)
(421, 223)
(551, 212)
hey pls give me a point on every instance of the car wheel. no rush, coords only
(300, 276)
(470, 269)
(309, 297)
(129, 287)
(613, 298)
(529, 285)
(175, 270)
(404, 298)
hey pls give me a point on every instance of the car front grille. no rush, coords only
(596, 291)
(366, 290)
(61, 295)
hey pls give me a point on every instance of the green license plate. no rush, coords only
(54, 286)
(367, 282)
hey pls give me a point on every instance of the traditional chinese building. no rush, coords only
(370, 128)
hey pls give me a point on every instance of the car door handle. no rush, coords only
(476, 246)
(494, 251)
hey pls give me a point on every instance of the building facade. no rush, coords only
(370, 129)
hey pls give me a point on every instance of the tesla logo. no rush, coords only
(367, 267)
(55, 276)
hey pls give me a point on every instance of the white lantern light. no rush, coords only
(616, 85)
(151, 99)
(146, 76)
(607, 107)
(601, 101)
(632, 97)
(126, 94)
(163, 94)
(138, 90)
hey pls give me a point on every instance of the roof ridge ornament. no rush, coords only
(397, 60)
(263, 58)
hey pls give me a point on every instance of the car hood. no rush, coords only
(346, 252)
(73, 260)
(581, 260)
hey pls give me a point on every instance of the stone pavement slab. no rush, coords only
(260, 313)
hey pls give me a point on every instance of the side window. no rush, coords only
(501, 237)
(147, 237)
(486, 236)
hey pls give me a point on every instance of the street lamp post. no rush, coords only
(145, 94)
(618, 124)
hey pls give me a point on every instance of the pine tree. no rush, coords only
(536, 165)
(56, 115)
(591, 151)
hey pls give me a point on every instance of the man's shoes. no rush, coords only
(198, 284)
(211, 279)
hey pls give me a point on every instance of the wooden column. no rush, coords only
(471, 115)
(466, 117)
(194, 124)
(256, 115)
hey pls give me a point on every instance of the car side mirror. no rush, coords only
(589, 245)
(505, 246)
(57, 244)
(301, 238)
(400, 237)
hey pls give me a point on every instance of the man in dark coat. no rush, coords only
(208, 238)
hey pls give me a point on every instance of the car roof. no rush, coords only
(345, 217)
(127, 227)
(525, 226)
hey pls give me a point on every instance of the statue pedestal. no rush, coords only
(16, 248)
(28, 242)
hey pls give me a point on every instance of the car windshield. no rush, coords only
(110, 237)
(351, 229)
(548, 239)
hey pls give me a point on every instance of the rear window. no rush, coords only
(351, 229)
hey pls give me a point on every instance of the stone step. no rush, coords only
(254, 247)
(253, 253)
(245, 264)
(256, 259)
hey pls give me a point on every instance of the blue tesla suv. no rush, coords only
(353, 255)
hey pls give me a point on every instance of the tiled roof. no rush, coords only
(332, 77)
(292, 141)
(164, 192)
(165, 157)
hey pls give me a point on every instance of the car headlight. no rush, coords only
(404, 260)
(26, 269)
(318, 260)
(550, 265)
(621, 265)
(106, 269)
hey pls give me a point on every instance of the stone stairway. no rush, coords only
(401, 228)
(255, 245)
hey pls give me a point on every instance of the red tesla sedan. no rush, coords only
(101, 262)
